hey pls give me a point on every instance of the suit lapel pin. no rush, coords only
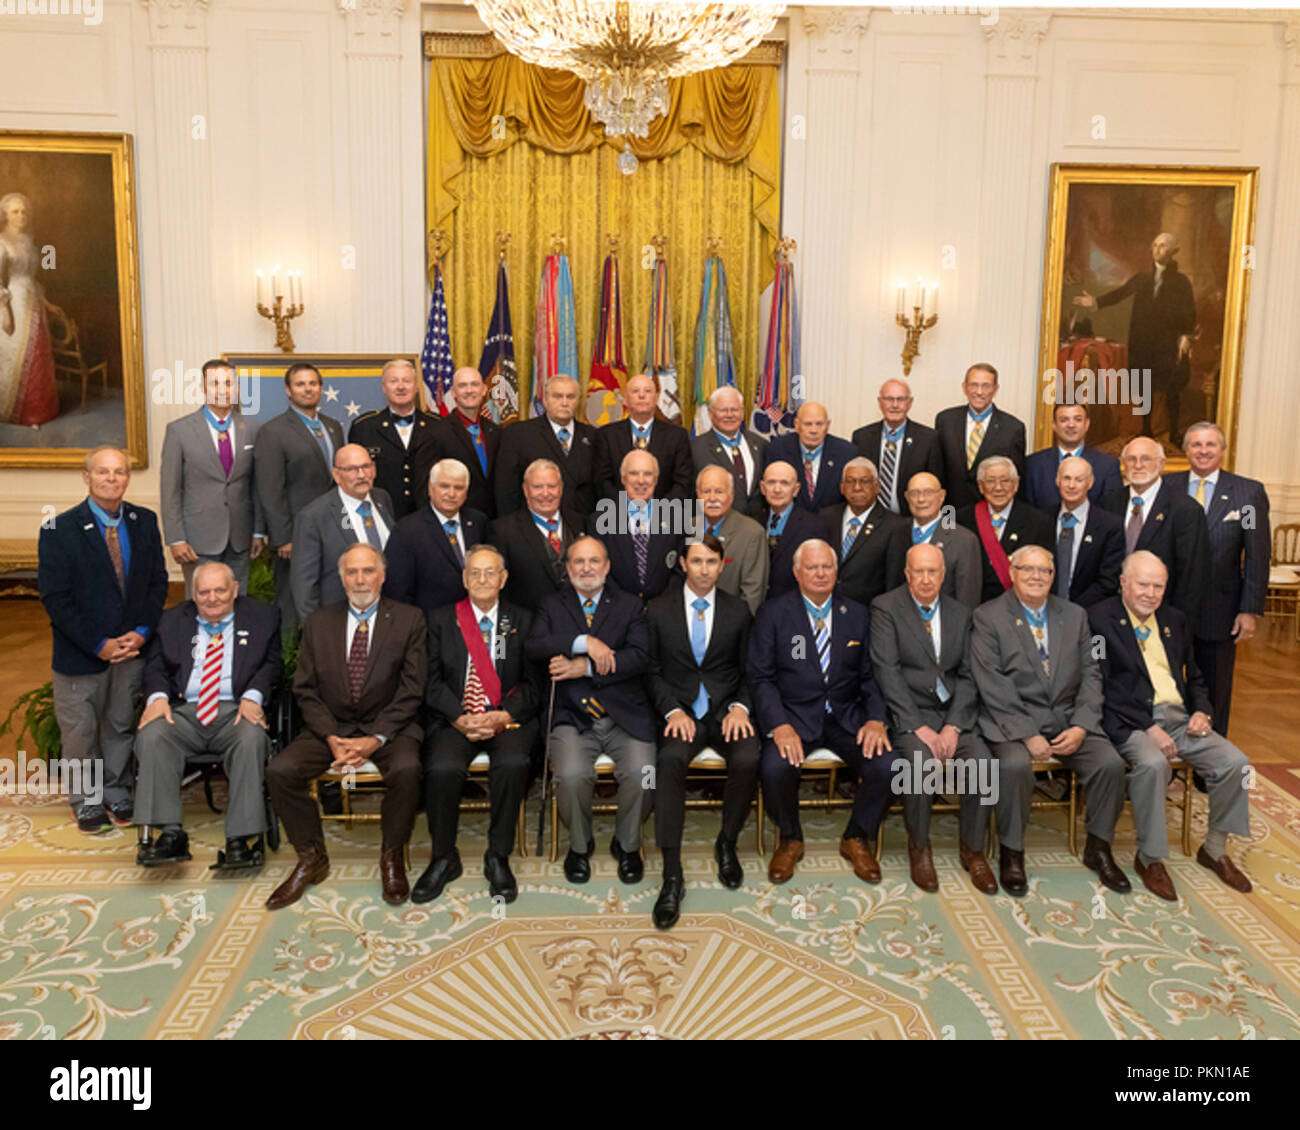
(88, 526)
(842, 610)
(243, 643)
(1166, 632)
(1160, 517)
(1019, 622)
(1014, 537)
(1087, 539)
(240, 632)
(907, 440)
(867, 529)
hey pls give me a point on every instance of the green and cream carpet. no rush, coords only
(92, 946)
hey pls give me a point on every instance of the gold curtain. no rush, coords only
(710, 166)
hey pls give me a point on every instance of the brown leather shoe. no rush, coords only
(1225, 869)
(392, 873)
(313, 867)
(787, 854)
(863, 859)
(981, 874)
(922, 863)
(1157, 879)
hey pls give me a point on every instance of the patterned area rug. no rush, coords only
(93, 946)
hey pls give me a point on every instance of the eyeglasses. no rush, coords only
(1035, 570)
(482, 574)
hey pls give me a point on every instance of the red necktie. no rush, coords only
(210, 680)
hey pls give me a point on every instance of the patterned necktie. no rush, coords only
(476, 434)
(888, 465)
(1133, 530)
(1065, 554)
(821, 634)
(474, 701)
(551, 528)
(210, 676)
(366, 514)
(641, 544)
(737, 463)
(1200, 493)
(976, 437)
(699, 644)
(115, 550)
(1038, 622)
(450, 529)
(563, 434)
(358, 654)
(589, 609)
(808, 476)
(850, 536)
(640, 437)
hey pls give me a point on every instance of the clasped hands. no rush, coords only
(942, 744)
(119, 649)
(601, 656)
(482, 727)
(351, 753)
(1064, 744)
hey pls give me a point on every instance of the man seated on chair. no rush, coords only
(362, 668)
(920, 652)
(698, 641)
(210, 670)
(595, 642)
(1158, 708)
(1040, 698)
(811, 677)
(482, 698)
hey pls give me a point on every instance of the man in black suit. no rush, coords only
(534, 539)
(103, 582)
(817, 456)
(698, 642)
(731, 445)
(426, 555)
(788, 524)
(355, 511)
(361, 675)
(1156, 709)
(482, 697)
(1002, 523)
(210, 672)
(557, 436)
(1160, 517)
(401, 438)
(1236, 514)
(920, 653)
(871, 540)
(595, 643)
(1070, 427)
(667, 442)
(971, 432)
(811, 677)
(293, 455)
(1161, 326)
(898, 446)
(468, 434)
(642, 534)
(1089, 540)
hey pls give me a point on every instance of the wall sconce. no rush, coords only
(925, 313)
(280, 300)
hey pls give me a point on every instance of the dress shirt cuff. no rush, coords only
(178, 541)
(143, 631)
(591, 671)
(259, 534)
(100, 646)
(253, 696)
(676, 710)
(380, 739)
(579, 646)
(155, 697)
(742, 706)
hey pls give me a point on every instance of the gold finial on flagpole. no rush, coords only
(611, 242)
(501, 240)
(558, 243)
(439, 245)
(713, 245)
(784, 250)
(660, 244)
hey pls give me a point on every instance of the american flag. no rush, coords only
(435, 359)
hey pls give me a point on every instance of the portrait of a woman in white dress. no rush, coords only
(28, 395)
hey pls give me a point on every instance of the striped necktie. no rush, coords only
(475, 699)
(888, 465)
(976, 437)
(210, 677)
(850, 536)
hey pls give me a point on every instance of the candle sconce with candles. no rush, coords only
(925, 313)
(281, 302)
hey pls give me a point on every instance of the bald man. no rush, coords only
(355, 510)
(400, 437)
(668, 443)
(468, 433)
(897, 445)
(1159, 517)
(735, 448)
(817, 456)
(1089, 540)
(556, 436)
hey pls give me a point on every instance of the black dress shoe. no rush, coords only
(121, 812)
(237, 852)
(436, 876)
(668, 906)
(501, 880)
(1096, 855)
(170, 847)
(577, 866)
(730, 873)
(1012, 868)
(631, 867)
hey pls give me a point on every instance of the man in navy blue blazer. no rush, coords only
(811, 679)
(1070, 424)
(787, 523)
(595, 643)
(1236, 513)
(816, 455)
(103, 582)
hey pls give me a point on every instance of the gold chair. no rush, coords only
(1069, 803)
(1181, 769)
(818, 761)
(65, 345)
(1283, 596)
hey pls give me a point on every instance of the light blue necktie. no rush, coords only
(365, 513)
(822, 635)
(850, 536)
(699, 643)
(476, 434)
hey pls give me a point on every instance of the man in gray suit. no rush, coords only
(920, 653)
(732, 446)
(1040, 698)
(209, 509)
(356, 511)
(933, 525)
(746, 560)
(292, 457)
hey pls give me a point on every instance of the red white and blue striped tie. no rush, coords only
(210, 680)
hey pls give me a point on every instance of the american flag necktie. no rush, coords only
(210, 676)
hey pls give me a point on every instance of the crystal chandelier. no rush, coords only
(626, 50)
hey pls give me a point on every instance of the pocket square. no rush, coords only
(1232, 516)
(854, 643)
(248, 447)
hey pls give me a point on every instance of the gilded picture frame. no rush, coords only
(71, 352)
(1146, 281)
